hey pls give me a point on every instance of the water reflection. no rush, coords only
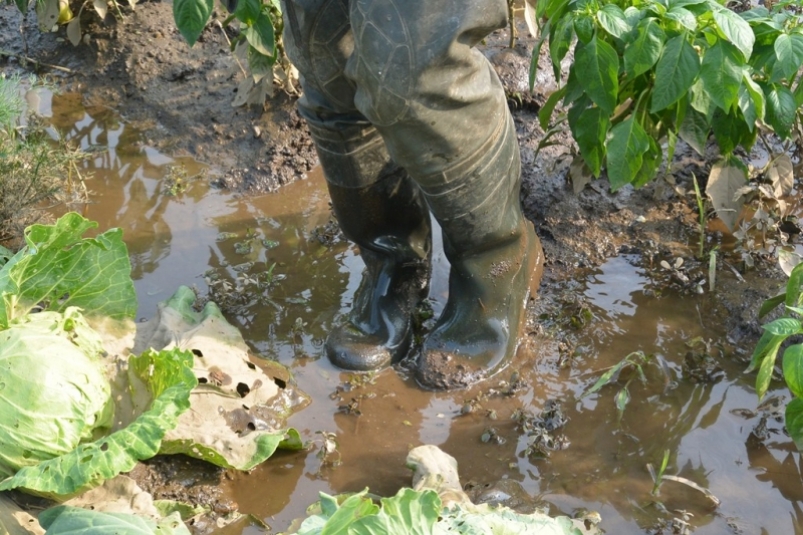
(198, 233)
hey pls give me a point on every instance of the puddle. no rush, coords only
(177, 239)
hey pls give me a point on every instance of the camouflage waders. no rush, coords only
(409, 118)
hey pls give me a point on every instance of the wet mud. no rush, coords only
(530, 436)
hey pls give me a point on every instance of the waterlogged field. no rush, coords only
(283, 278)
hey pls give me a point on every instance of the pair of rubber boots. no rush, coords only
(496, 258)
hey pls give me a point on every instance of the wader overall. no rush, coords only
(408, 118)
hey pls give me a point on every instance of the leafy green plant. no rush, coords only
(258, 44)
(765, 354)
(648, 72)
(634, 361)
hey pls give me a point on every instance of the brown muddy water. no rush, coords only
(202, 234)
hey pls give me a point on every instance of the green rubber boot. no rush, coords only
(381, 210)
(496, 265)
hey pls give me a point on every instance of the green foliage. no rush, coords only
(417, 512)
(66, 396)
(258, 44)
(650, 70)
(58, 268)
(63, 520)
(766, 352)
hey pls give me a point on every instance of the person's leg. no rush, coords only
(443, 115)
(376, 204)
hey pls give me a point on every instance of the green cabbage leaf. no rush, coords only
(57, 269)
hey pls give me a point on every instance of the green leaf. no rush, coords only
(409, 512)
(793, 286)
(589, 131)
(674, 74)
(694, 130)
(260, 64)
(789, 51)
(736, 30)
(545, 30)
(751, 101)
(191, 17)
(794, 421)
(560, 39)
(644, 51)
(66, 520)
(621, 400)
(729, 130)
(651, 163)
(612, 19)
(599, 64)
(351, 510)
(626, 147)
(783, 327)
(248, 10)
(60, 269)
(682, 16)
(169, 376)
(722, 73)
(584, 27)
(765, 372)
(781, 109)
(770, 304)
(768, 343)
(793, 369)
(545, 113)
(260, 35)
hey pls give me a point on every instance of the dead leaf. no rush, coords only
(47, 13)
(238, 406)
(101, 7)
(529, 17)
(580, 174)
(74, 31)
(781, 173)
(723, 183)
(15, 521)
(243, 90)
(788, 259)
(118, 495)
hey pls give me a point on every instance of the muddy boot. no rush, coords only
(381, 210)
(496, 264)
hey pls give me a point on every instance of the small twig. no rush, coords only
(226, 37)
(35, 62)
(733, 269)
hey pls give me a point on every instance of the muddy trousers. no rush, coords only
(408, 118)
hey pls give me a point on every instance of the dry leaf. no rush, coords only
(723, 183)
(529, 17)
(580, 174)
(781, 173)
(74, 31)
(101, 7)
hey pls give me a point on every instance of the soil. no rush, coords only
(141, 67)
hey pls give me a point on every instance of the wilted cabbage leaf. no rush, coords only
(53, 395)
(170, 377)
(238, 409)
(60, 269)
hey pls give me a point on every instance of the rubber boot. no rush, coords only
(496, 265)
(381, 210)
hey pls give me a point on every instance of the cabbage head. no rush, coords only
(53, 395)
